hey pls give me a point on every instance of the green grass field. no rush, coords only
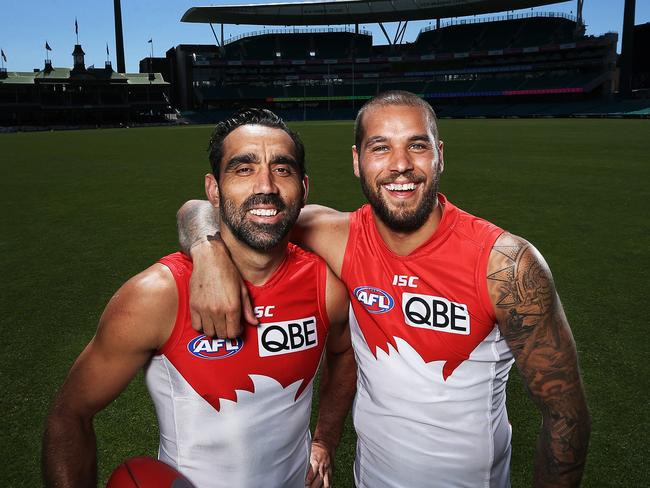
(85, 210)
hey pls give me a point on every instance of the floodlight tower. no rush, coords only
(119, 38)
(627, 48)
(580, 26)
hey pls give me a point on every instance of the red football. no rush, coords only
(146, 472)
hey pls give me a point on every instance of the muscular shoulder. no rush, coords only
(324, 231)
(144, 307)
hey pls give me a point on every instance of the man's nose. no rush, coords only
(264, 182)
(400, 160)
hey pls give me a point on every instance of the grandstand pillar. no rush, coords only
(579, 10)
(580, 25)
(627, 48)
(119, 37)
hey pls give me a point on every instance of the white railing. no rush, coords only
(480, 20)
(296, 30)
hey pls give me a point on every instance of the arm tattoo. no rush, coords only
(195, 220)
(533, 323)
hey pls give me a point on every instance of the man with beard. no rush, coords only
(442, 304)
(236, 412)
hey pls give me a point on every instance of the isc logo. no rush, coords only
(205, 347)
(374, 300)
(435, 313)
(286, 337)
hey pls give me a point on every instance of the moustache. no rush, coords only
(271, 199)
(408, 175)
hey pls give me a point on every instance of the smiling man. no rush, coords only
(443, 302)
(235, 412)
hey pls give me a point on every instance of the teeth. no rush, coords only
(264, 212)
(400, 187)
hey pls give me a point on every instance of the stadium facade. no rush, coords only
(505, 61)
(81, 96)
(523, 64)
(325, 66)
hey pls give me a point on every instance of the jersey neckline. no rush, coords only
(279, 272)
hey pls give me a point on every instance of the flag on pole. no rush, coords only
(76, 26)
(150, 41)
(47, 46)
(107, 53)
(4, 56)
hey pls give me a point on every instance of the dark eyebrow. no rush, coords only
(417, 137)
(285, 159)
(420, 137)
(374, 139)
(238, 159)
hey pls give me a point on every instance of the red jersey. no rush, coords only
(236, 412)
(430, 406)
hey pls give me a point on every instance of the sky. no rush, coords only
(25, 26)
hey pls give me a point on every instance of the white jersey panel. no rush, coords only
(260, 440)
(417, 430)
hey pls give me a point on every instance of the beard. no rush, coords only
(261, 237)
(400, 218)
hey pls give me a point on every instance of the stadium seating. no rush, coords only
(532, 61)
(297, 46)
(502, 34)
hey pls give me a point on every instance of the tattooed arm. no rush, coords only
(197, 222)
(532, 320)
(198, 235)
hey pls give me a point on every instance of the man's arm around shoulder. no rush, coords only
(137, 321)
(323, 231)
(218, 295)
(532, 320)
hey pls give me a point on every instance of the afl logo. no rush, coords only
(374, 300)
(206, 347)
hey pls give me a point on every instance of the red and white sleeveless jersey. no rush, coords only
(235, 412)
(430, 406)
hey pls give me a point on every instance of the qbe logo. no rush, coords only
(279, 338)
(374, 300)
(205, 347)
(435, 313)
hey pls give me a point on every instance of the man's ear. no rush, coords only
(305, 186)
(441, 158)
(212, 189)
(355, 161)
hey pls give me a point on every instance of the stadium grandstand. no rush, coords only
(324, 66)
(81, 96)
(530, 64)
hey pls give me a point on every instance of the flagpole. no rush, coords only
(76, 29)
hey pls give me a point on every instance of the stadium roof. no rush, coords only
(350, 11)
(64, 74)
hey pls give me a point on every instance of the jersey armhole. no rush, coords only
(181, 278)
(481, 272)
(350, 246)
(321, 291)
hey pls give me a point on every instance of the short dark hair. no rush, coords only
(394, 97)
(251, 116)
